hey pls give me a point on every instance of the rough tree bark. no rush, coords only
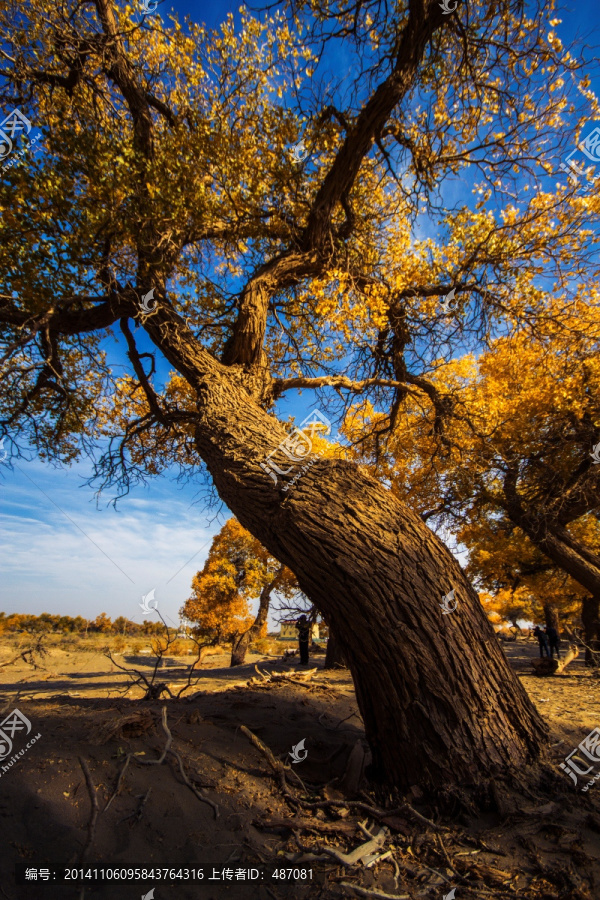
(335, 654)
(242, 641)
(440, 703)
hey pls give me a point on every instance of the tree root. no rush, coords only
(276, 765)
(373, 811)
(407, 809)
(192, 788)
(167, 747)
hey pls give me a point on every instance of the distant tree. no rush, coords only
(237, 570)
(80, 624)
(120, 625)
(524, 582)
(102, 623)
(510, 472)
(149, 627)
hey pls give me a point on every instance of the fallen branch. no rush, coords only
(299, 678)
(118, 787)
(545, 666)
(198, 793)
(94, 813)
(372, 846)
(365, 892)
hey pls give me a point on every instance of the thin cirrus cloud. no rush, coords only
(64, 555)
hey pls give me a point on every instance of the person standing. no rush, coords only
(542, 640)
(553, 640)
(303, 627)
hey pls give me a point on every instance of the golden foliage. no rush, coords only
(237, 569)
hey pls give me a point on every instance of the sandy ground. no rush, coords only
(548, 849)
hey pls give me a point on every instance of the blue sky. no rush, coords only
(62, 553)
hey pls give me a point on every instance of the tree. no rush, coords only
(523, 499)
(237, 569)
(168, 169)
(527, 585)
(102, 623)
(122, 625)
(334, 656)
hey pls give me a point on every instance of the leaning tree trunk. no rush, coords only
(438, 699)
(551, 616)
(440, 704)
(335, 655)
(240, 645)
(590, 619)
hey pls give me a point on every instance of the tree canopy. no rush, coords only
(168, 165)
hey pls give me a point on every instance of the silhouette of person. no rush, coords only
(303, 627)
(542, 640)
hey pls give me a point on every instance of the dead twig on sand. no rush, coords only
(445, 852)
(137, 815)
(118, 787)
(341, 722)
(299, 824)
(277, 766)
(365, 892)
(94, 813)
(364, 852)
(198, 793)
(167, 750)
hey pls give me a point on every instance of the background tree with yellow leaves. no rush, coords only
(526, 584)
(511, 471)
(238, 569)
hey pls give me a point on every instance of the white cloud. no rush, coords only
(158, 540)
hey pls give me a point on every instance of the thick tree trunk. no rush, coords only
(240, 645)
(551, 616)
(335, 655)
(590, 619)
(440, 704)
(439, 701)
(239, 648)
